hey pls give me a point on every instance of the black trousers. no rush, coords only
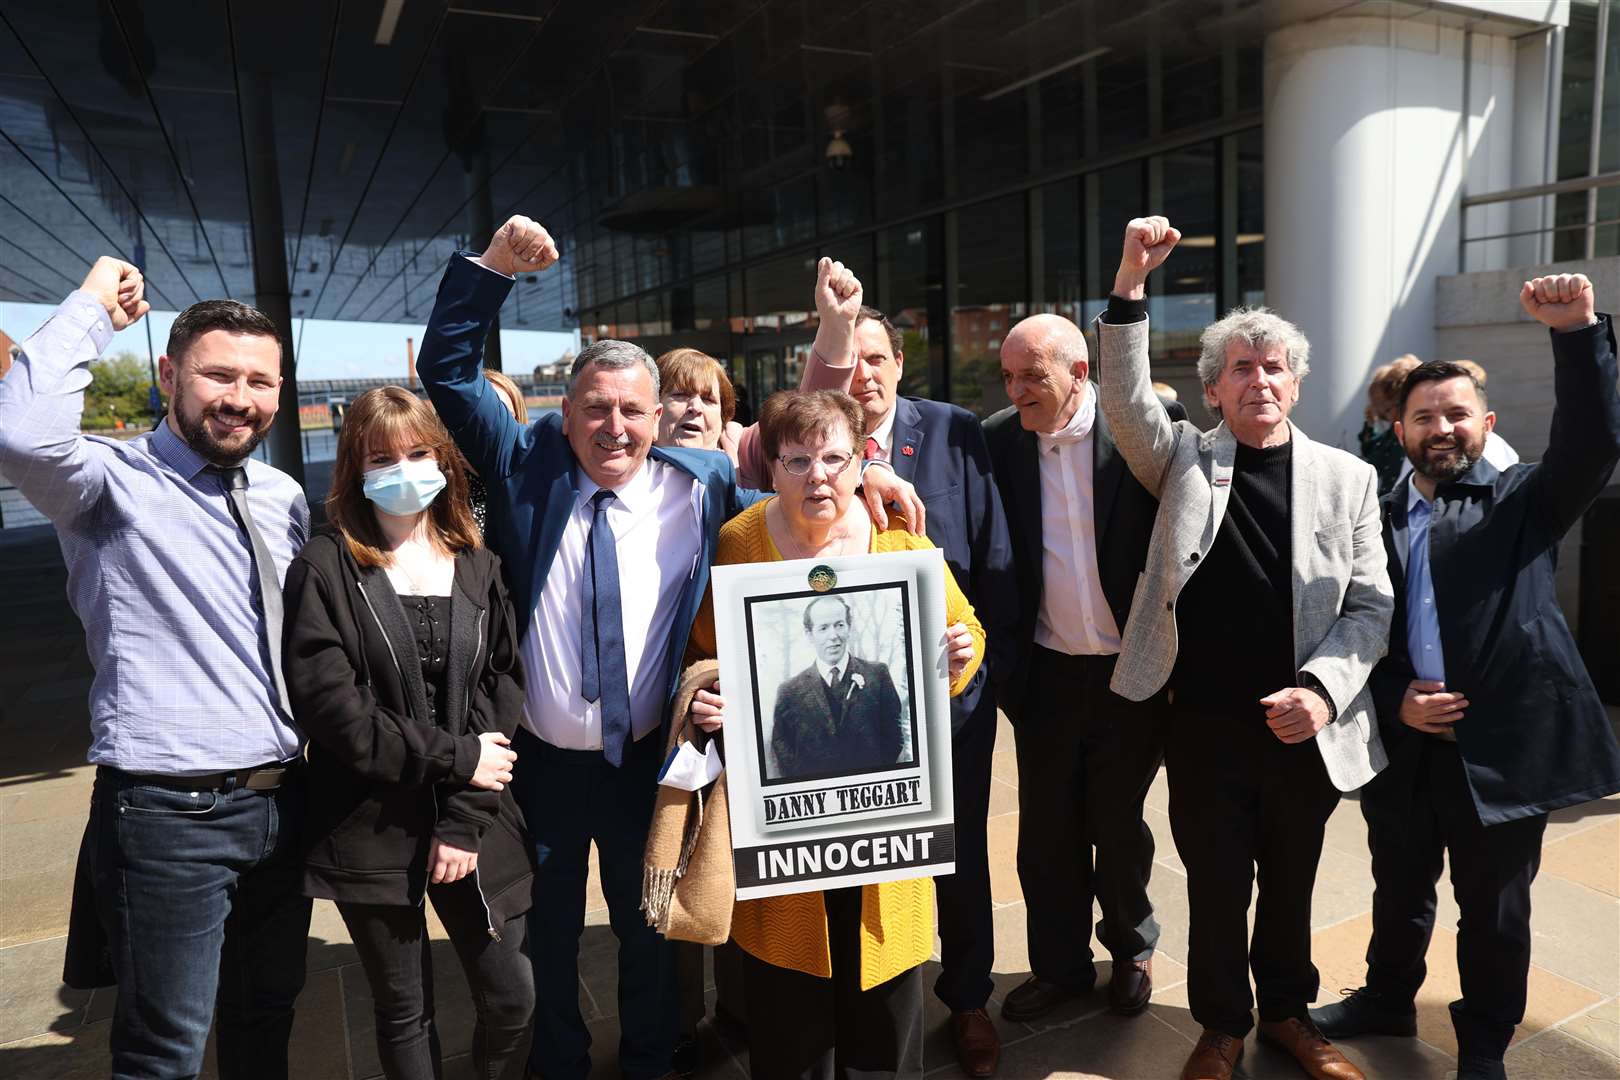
(1086, 758)
(393, 947)
(811, 1028)
(966, 924)
(1416, 811)
(1241, 800)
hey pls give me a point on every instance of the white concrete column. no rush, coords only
(1370, 128)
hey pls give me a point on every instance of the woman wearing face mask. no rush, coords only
(400, 660)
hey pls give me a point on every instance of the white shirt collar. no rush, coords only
(635, 494)
(827, 669)
(884, 432)
(1079, 425)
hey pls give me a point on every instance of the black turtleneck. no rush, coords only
(1235, 617)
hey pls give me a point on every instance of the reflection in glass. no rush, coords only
(991, 294)
(911, 291)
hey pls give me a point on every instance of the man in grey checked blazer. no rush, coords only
(1264, 604)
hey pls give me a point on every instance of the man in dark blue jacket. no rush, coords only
(606, 542)
(1485, 707)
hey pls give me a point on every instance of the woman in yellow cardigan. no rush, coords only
(831, 977)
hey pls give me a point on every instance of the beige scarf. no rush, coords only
(688, 883)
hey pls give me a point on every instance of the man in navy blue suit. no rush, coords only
(606, 543)
(940, 448)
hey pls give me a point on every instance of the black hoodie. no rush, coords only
(384, 779)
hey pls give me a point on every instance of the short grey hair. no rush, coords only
(1257, 327)
(612, 355)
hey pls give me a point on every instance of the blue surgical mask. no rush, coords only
(405, 487)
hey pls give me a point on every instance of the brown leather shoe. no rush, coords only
(978, 1047)
(1034, 998)
(1131, 987)
(1319, 1058)
(1214, 1058)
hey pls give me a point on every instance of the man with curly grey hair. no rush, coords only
(1263, 606)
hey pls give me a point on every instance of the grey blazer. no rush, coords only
(1342, 596)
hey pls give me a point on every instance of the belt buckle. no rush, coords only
(265, 779)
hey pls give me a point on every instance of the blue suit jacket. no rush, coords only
(530, 471)
(940, 449)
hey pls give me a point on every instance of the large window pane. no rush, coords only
(1251, 218)
(991, 294)
(910, 289)
(1181, 294)
(1057, 261)
(781, 294)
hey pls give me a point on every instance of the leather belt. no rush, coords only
(267, 777)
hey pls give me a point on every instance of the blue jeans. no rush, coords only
(201, 896)
(570, 798)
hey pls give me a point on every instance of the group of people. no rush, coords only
(468, 678)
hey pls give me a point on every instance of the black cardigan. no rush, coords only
(384, 780)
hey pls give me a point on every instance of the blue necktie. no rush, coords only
(601, 634)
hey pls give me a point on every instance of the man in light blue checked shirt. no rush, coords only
(176, 542)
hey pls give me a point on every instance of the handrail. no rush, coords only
(1561, 187)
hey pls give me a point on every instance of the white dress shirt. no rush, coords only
(1074, 617)
(884, 434)
(826, 670)
(657, 522)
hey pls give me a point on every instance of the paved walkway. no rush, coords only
(48, 1032)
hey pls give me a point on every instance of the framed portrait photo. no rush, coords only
(838, 725)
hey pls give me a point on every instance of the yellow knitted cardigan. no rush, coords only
(897, 917)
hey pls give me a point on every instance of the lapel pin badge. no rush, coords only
(822, 578)
(908, 450)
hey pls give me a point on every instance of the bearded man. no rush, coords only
(1487, 712)
(176, 543)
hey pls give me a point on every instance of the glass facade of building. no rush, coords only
(966, 194)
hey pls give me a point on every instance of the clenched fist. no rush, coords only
(838, 292)
(1562, 301)
(1148, 242)
(118, 287)
(521, 246)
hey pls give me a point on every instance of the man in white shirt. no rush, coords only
(1080, 524)
(606, 543)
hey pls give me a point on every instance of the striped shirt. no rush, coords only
(159, 571)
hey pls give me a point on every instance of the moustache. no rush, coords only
(609, 443)
(232, 413)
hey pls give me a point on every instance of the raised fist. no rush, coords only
(521, 246)
(1148, 242)
(1561, 301)
(838, 292)
(118, 287)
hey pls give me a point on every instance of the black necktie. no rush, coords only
(602, 664)
(235, 482)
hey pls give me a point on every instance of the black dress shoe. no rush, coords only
(1366, 1012)
(1131, 988)
(1034, 998)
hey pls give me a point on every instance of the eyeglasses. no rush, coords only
(799, 464)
